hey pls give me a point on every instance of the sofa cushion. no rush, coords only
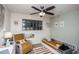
(56, 44)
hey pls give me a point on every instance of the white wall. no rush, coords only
(39, 34)
(70, 32)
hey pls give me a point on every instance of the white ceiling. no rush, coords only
(26, 8)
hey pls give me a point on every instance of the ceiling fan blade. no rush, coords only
(49, 13)
(49, 8)
(34, 13)
(36, 8)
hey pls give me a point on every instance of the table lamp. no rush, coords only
(7, 37)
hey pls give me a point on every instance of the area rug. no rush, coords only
(40, 50)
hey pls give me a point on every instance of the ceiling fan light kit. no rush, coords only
(41, 13)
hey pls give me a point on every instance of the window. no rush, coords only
(31, 24)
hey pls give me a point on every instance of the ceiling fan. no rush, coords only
(42, 11)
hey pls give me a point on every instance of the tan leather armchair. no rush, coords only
(23, 45)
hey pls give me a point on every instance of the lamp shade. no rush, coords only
(7, 35)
